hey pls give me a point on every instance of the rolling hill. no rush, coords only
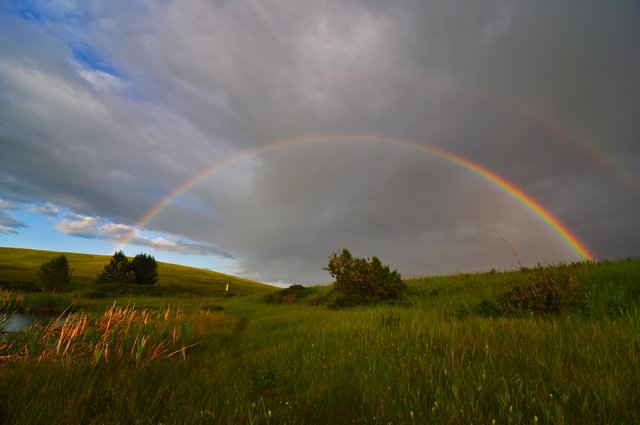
(19, 265)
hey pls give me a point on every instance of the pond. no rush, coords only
(16, 322)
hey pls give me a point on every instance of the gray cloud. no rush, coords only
(9, 224)
(541, 93)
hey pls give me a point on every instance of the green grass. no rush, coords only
(18, 267)
(434, 360)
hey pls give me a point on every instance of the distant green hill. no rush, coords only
(20, 266)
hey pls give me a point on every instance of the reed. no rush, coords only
(11, 301)
(120, 334)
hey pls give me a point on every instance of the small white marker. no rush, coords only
(227, 288)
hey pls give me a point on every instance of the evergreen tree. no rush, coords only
(144, 269)
(118, 270)
(55, 272)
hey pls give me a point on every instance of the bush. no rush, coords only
(359, 281)
(550, 290)
(289, 295)
(55, 273)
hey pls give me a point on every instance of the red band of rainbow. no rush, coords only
(513, 190)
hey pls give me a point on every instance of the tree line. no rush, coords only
(141, 270)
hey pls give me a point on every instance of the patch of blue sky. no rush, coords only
(41, 11)
(92, 59)
(40, 233)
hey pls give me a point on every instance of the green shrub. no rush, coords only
(289, 295)
(55, 273)
(550, 290)
(360, 281)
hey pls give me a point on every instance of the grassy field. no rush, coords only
(18, 267)
(434, 359)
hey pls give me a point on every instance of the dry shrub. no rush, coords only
(550, 290)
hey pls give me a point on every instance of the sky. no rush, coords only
(257, 137)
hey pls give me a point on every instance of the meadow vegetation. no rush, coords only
(359, 281)
(440, 356)
(55, 273)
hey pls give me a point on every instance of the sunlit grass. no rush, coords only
(433, 360)
(120, 334)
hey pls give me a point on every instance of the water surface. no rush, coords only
(16, 322)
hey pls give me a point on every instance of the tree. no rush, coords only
(144, 269)
(118, 270)
(361, 281)
(55, 272)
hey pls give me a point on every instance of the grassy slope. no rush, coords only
(435, 361)
(21, 265)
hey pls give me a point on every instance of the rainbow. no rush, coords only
(553, 127)
(540, 120)
(489, 175)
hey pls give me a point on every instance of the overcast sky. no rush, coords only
(106, 108)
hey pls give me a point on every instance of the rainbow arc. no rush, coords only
(512, 189)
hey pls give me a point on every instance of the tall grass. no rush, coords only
(11, 301)
(126, 335)
(433, 361)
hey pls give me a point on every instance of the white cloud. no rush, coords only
(83, 226)
(46, 208)
(99, 228)
(102, 81)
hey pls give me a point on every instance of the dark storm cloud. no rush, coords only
(106, 109)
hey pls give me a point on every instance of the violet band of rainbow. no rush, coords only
(513, 190)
